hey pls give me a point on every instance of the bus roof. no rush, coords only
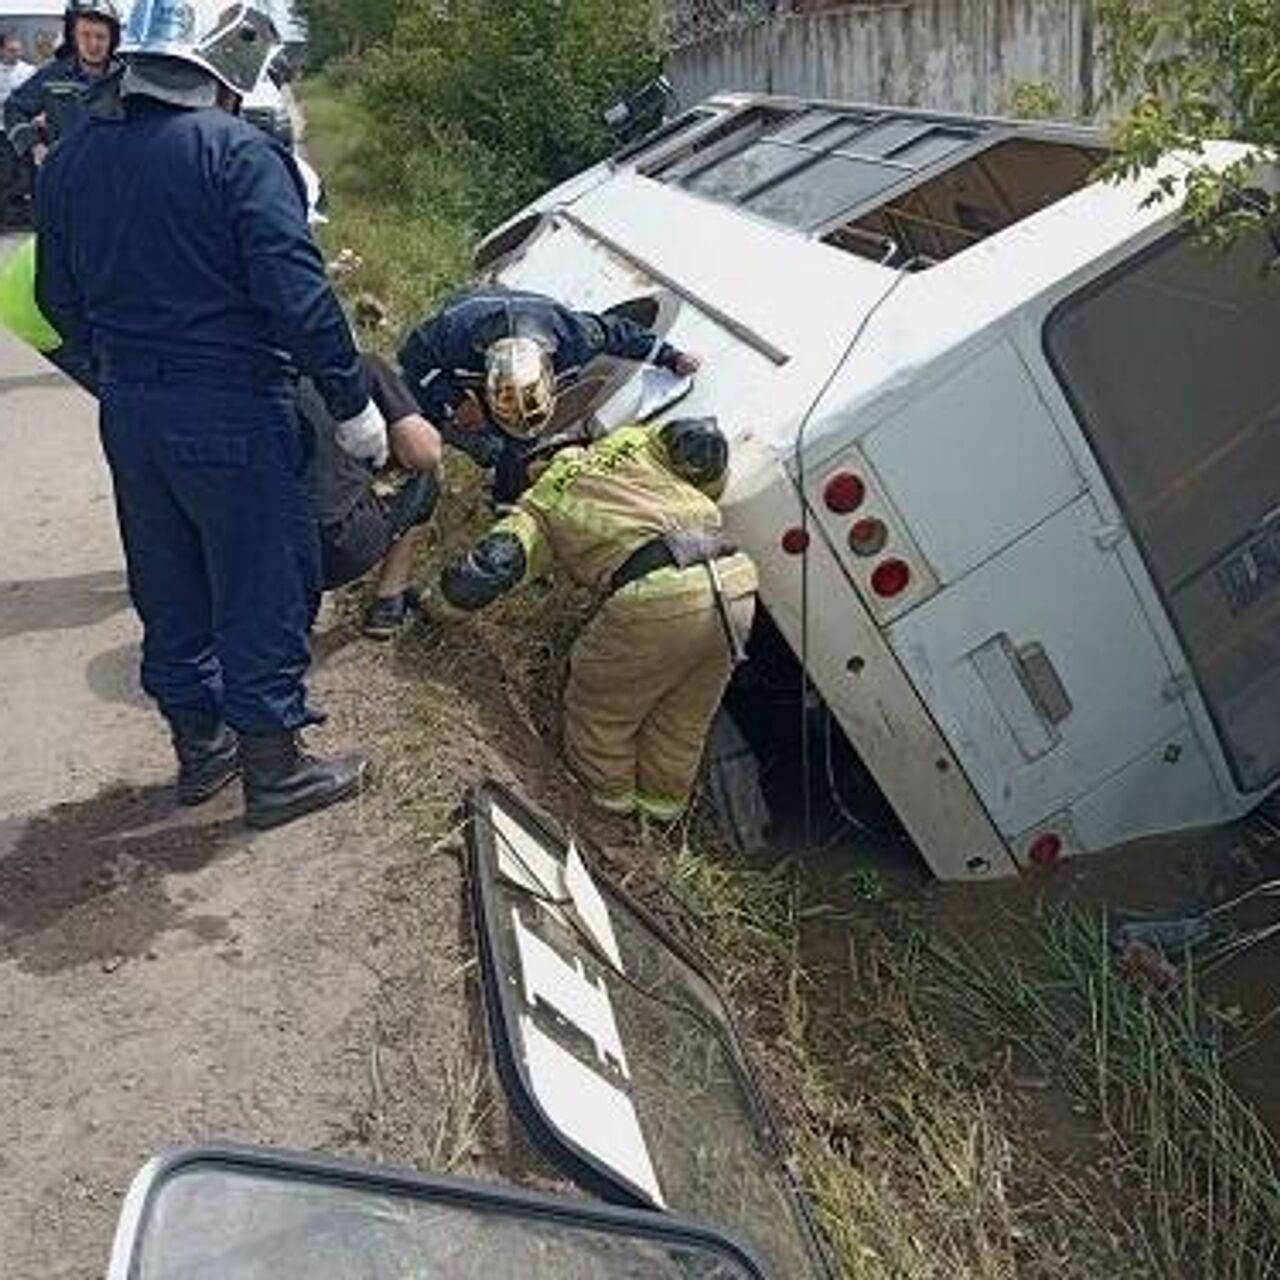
(702, 208)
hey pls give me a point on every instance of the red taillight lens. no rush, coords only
(891, 578)
(867, 537)
(844, 493)
(1046, 849)
(795, 542)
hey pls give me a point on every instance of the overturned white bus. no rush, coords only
(1007, 451)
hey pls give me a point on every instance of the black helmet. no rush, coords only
(697, 450)
(108, 11)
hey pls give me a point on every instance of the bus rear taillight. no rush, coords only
(891, 579)
(868, 537)
(795, 541)
(844, 493)
(1045, 850)
(872, 541)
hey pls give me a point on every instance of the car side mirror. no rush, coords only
(640, 112)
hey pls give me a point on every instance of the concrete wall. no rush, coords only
(953, 55)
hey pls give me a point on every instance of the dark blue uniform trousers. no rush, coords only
(222, 545)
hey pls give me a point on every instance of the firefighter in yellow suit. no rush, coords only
(633, 517)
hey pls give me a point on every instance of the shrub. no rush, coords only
(341, 27)
(525, 83)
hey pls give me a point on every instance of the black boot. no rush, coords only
(208, 756)
(387, 616)
(283, 782)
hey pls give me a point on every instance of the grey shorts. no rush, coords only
(350, 547)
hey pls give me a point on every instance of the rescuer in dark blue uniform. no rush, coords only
(489, 410)
(51, 102)
(174, 256)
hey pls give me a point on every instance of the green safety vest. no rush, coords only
(19, 312)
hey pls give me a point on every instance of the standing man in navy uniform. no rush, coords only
(51, 102)
(175, 260)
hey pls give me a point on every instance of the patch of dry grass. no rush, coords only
(1149, 1062)
(919, 1163)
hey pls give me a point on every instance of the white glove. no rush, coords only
(364, 437)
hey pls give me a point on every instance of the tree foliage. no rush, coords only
(523, 81)
(1033, 100)
(338, 28)
(1185, 72)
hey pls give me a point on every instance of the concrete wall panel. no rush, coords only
(951, 55)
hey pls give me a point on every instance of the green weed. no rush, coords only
(1148, 1061)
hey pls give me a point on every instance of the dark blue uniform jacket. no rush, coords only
(60, 91)
(221, 268)
(445, 357)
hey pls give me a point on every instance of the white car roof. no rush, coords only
(31, 9)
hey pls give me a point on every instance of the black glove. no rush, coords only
(489, 570)
(667, 357)
(25, 137)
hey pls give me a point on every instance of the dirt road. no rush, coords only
(166, 977)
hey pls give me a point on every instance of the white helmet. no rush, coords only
(232, 42)
(520, 386)
(105, 10)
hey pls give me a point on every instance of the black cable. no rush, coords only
(846, 814)
(833, 786)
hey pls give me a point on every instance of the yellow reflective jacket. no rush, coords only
(19, 312)
(592, 507)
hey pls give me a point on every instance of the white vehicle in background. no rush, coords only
(36, 23)
(268, 107)
(1005, 443)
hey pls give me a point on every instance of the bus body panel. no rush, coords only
(1171, 788)
(975, 459)
(1030, 329)
(864, 685)
(1055, 589)
(1030, 681)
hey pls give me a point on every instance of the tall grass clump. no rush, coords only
(1148, 1060)
(919, 1166)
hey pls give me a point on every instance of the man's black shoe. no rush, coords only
(283, 782)
(208, 756)
(387, 616)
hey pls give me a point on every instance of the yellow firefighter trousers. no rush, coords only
(645, 679)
